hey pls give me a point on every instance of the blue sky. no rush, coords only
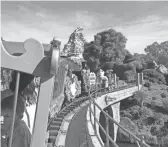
(141, 22)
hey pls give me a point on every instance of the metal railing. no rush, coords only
(95, 94)
(139, 142)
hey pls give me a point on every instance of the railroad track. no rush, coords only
(54, 124)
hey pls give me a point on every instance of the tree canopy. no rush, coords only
(107, 46)
(158, 52)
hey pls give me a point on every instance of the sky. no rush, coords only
(142, 23)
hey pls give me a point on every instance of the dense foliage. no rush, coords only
(126, 70)
(107, 46)
(165, 104)
(140, 96)
(158, 52)
(153, 76)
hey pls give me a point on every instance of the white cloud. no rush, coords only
(86, 20)
(44, 25)
(143, 34)
(40, 14)
(22, 8)
(45, 28)
(139, 35)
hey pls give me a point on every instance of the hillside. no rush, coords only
(150, 120)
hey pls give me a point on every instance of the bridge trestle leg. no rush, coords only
(116, 115)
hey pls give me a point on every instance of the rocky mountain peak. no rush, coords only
(75, 45)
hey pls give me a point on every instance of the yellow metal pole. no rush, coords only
(14, 108)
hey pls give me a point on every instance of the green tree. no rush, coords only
(165, 104)
(91, 54)
(153, 49)
(163, 59)
(153, 76)
(157, 52)
(107, 46)
(140, 96)
(164, 46)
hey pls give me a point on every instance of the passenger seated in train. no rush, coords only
(21, 133)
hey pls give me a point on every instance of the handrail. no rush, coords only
(138, 140)
(120, 126)
(87, 97)
(131, 84)
(76, 100)
(114, 144)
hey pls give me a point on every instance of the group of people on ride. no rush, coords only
(105, 79)
(72, 87)
(21, 133)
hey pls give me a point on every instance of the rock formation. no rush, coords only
(162, 69)
(75, 45)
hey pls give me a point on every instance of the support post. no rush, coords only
(94, 107)
(41, 117)
(14, 108)
(107, 130)
(94, 118)
(115, 79)
(116, 116)
(138, 81)
(141, 78)
(90, 105)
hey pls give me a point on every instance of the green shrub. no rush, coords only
(134, 111)
(160, 119)
(120, 69)
(165, 104)
(153, 104)
(140, 124)
(150, 65)
(163, 95)
(149, 88)
(128, 124)
(147, 84)
(154, 98)
(154, 76)
(149, 121)
(166, 77)
(145, 113)
(140, 96)
(158, 131)
(135, 107)
(126, 113)
(154, 130)
(129, 76)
